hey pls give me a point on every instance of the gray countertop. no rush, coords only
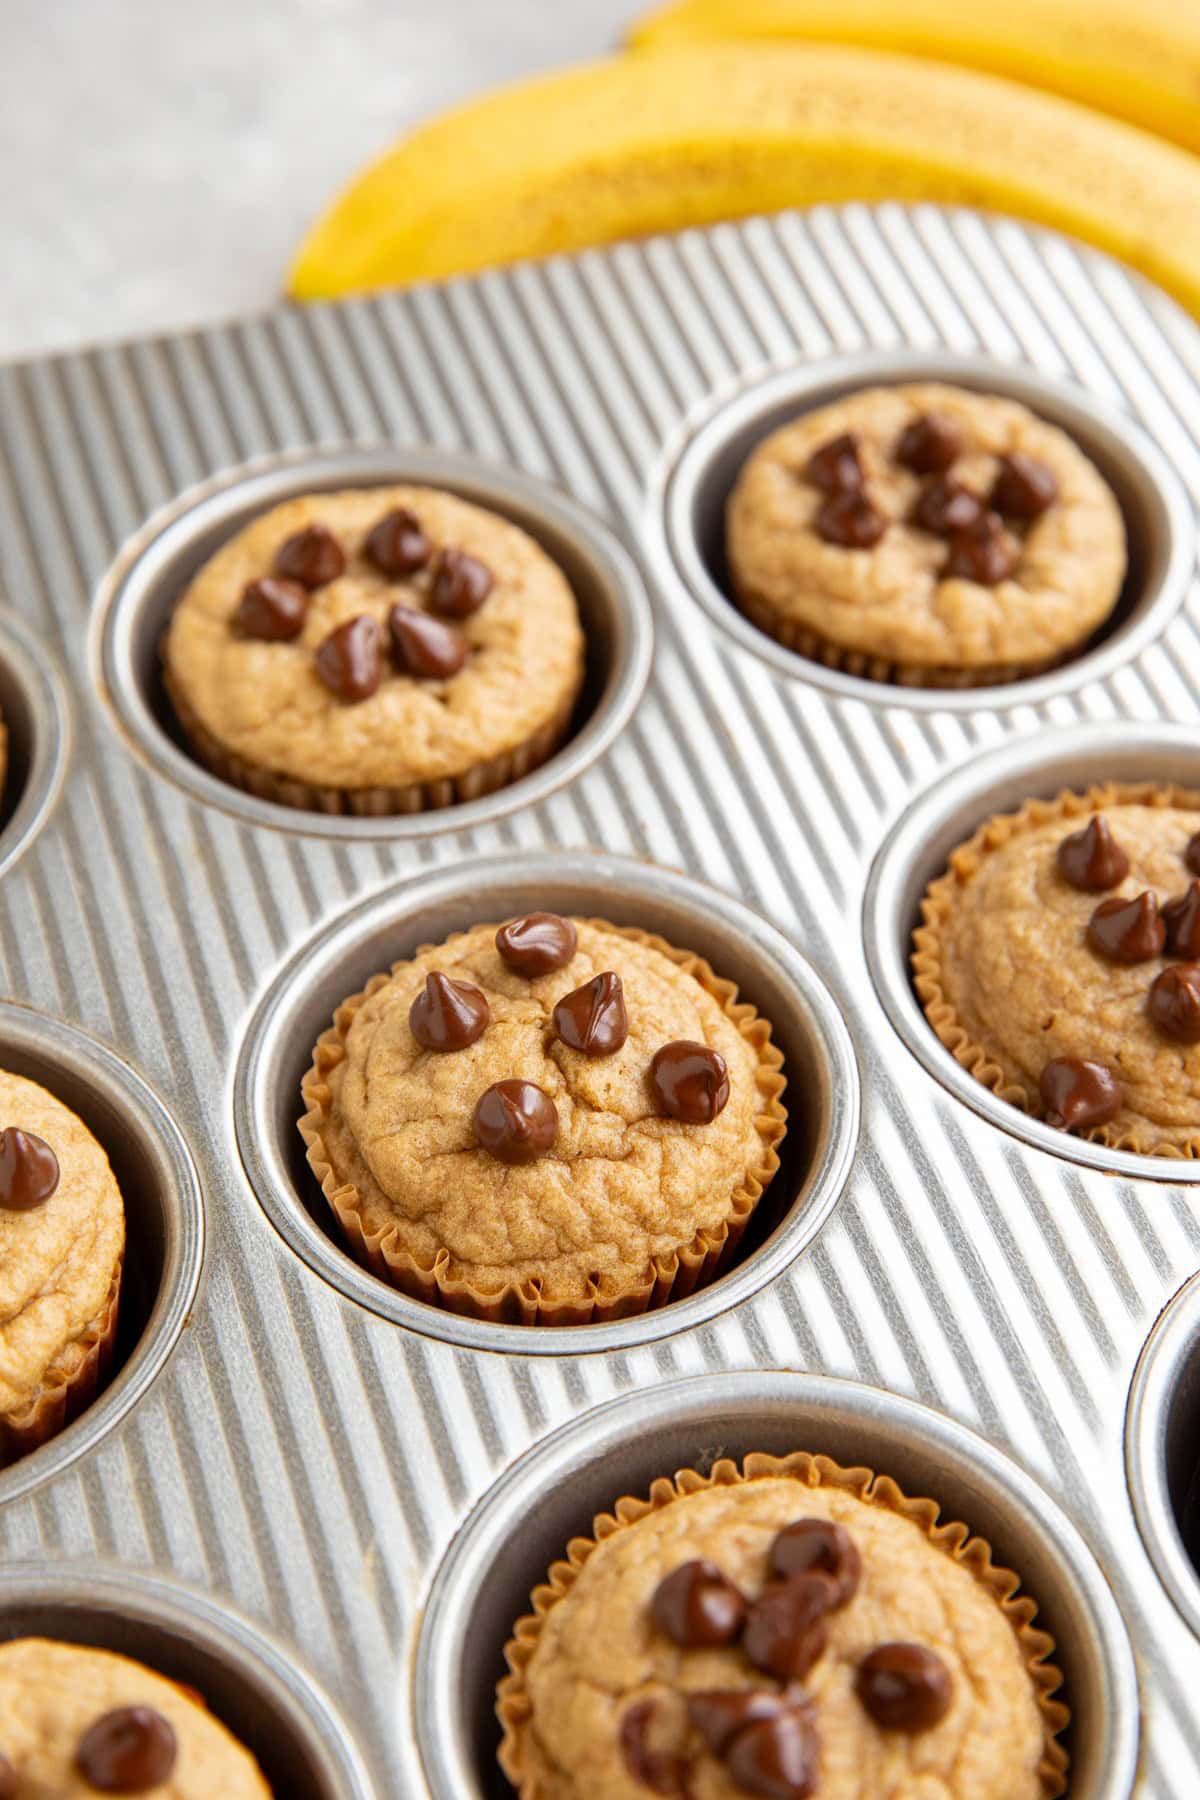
(162, 158)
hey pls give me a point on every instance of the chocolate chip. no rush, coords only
(1181, 917)
(836, 467)
(776, 1758)
(396, 545)
(662, 1771)
(818, 1544)
(312, 557)
(423, 645)
(128, 1751)
(1091, 859)
(447, 1014)
(1077, 1093)
(785, 1628)
(515, 1121)
(1127, 931)
(1191, 855)
(697, 1606)
(8, 1780)
(592, 1018)
(904, 1687)
(690, 1082)
(851, 520)
(350, 660)
(1174, 1002)
(930, 444)
(1024, 487)
(28, 1170)
(537, 943)
(984, 552)
(718, 1714)
(273, 610)
(461, 584)
(947, 506)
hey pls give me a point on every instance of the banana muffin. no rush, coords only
(62, 1243)
(926, 535)
(789, 1629)
(375, 651)
(1059, 960)
(556, 1121)
(76, 1721)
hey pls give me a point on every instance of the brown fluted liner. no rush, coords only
(938, 904)
(71, 1382)
(514, 1708)
(442, 1283)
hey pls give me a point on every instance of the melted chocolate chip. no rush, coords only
(904, 1687)
(689, 1081)
(28, 1170)
(836, 467)
(8, 1780)
(350, 660)
(1127, 931)
(537, 943)
(697, 1606)
(461, 584)
(947, 506)
(1181, 917)
(1077, 1093)
(515, 1121)
(776, 1758)
(718, 1714)
(818, 1544)
(851, 520)
(1024, 487)
(1191, 855)
(592, 1018)
(930, 444)
(447, 1014)
(312, 557)
(1174, 1002)
(272, 610)
(785, 1628)
(128, 1751)
(423, 645)
(396, 545)
(984, 553)
(662, 1771)
(1091, 859)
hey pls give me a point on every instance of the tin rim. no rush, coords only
(33, 704)
(552, 1493)
(194, 1640)
(1162, 1415)
(136, 595)
(917, 850)
(336, 962)
(698, 476)
(164, 1210)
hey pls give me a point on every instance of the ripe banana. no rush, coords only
(1136, 59)
(671, 138)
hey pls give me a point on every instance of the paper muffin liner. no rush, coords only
(514, 1708)
(442, 1281)
(937, 907)
(71, 1382)
(473, 783)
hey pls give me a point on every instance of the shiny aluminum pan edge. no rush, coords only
(37, 724)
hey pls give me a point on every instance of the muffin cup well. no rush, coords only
(34, 736)
(937, 909)
(69, 1385)
(1162, 1449)
(513, 1706)
(443, 1283)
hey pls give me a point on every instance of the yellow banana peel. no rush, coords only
(1136, 59)
(671, 138)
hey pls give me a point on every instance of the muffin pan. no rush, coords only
(294, 1440)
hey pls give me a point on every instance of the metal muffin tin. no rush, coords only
(301, 1445)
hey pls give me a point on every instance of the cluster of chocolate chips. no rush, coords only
(516, 1121)
(980, 529)
(28, 1173)
(351, 660)
(767, 1738)
(1076, 1092)
(128, 1751)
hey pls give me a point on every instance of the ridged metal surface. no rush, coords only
(298, 1454)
